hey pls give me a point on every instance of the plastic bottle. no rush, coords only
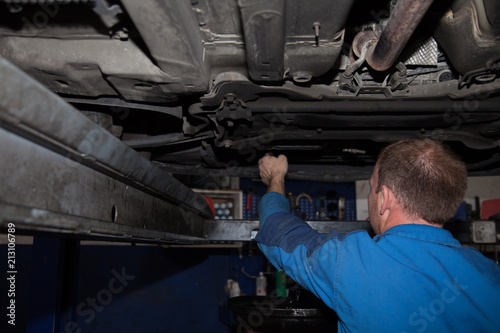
(233, 288)
(281, 284)
(261, 285)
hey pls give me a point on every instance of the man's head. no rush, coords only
(426, 178)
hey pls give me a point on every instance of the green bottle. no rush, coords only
(281, 284)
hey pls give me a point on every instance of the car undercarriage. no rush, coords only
(208, 87)
(143, 121)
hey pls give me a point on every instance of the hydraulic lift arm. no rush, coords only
(61, 172)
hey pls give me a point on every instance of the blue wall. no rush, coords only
(127, 288)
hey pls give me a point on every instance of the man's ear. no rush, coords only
(385, 200)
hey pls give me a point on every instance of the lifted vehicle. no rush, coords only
(208, 87)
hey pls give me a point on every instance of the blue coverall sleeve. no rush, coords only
(290, 244)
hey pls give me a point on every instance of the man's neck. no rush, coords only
(406, 220)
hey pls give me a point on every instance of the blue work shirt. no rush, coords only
(411, 278)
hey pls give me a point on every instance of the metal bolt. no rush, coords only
(316, 27)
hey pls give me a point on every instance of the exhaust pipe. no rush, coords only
(383, 51)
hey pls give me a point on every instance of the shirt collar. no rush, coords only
(421, 232)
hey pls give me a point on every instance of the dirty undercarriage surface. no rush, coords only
(208, 87)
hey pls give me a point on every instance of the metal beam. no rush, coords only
(245, 230)
(35, 221)
(55, 160)
(54, 190)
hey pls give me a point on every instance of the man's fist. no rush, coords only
(273, 168)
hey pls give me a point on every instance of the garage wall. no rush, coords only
(126, 288)
(484, 187)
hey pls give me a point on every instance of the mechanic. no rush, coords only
(413, 276)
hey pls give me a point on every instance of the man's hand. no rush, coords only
(273, 171)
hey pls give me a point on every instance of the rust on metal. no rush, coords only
(404, 20)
